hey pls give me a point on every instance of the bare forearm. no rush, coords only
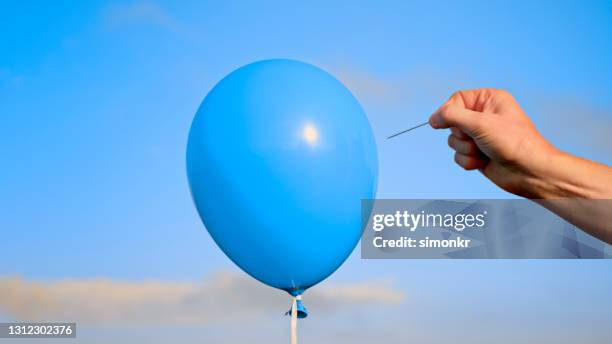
(567, 176)
(578, 190)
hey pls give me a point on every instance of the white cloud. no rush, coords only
(222, 296)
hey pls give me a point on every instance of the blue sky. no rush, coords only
(96, 99)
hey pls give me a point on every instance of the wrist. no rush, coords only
(562, 175)
(545, 180)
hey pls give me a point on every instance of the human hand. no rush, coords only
(490, 132)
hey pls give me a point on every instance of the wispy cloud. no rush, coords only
(222, 296)
(148, 13)
(370, 87)
(571, 120)
(400, 88)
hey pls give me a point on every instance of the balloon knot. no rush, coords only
(302, 312)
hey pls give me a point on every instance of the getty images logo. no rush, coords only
(414, 221)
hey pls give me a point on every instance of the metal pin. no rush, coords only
(407, 130)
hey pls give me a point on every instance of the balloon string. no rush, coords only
(294, 319)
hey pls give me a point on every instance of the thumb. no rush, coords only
(466, 120)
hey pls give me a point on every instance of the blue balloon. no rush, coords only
(280, 154)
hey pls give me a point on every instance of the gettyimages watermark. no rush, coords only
(476, 229)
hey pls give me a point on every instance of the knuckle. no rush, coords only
(458, 97)
(459, 160)
(455, 95)
(451, 141)
(474, 148)
(468, 148)
(467, 163)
